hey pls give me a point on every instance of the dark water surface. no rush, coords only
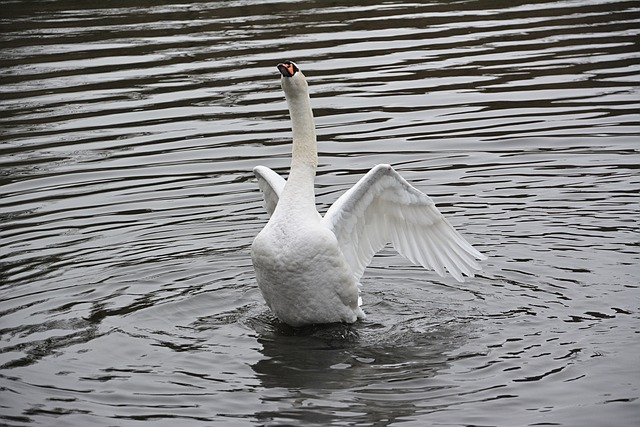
(128, 134)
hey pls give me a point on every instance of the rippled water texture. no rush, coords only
(128, 205)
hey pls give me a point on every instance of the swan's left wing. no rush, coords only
(271, 184)
(383, 207)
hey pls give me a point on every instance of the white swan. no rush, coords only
(307, 266)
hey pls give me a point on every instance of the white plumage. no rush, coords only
(308, 267)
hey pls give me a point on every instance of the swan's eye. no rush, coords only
(287, 68)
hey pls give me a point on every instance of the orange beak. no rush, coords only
(286, 70)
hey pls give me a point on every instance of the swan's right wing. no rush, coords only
(271, 184)
(383, 207)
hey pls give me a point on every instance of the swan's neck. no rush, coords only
(304, 160)
(305, 152)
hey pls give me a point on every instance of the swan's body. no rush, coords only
(307, 266)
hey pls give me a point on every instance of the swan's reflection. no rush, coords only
(312, 357)
(365, 371)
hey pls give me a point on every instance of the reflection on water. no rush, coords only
(127, 208)
(375, 374)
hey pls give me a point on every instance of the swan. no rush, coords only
(307, 266)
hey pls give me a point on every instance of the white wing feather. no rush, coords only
(381, 208)
(271, 184)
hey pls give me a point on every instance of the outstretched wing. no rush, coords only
(271, 184)
(383, 207)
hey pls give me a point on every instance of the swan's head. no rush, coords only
(293, 80)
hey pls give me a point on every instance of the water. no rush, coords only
(128, 206)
